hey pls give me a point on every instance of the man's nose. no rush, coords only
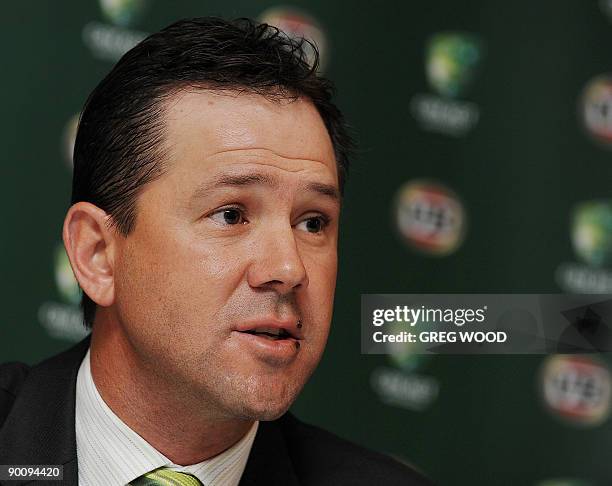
(277, 263)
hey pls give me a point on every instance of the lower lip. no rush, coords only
(278, 351)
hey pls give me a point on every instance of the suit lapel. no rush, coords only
(269, 463)
(40, 428)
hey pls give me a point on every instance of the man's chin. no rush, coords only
(264, 406)
(265, 411)
(259, 398)
(270, 415)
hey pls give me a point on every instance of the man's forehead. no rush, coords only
(221, 125)
(266, 161)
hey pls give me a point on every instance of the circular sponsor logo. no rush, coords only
(451, 62)
(297, 24)
(430, 217)
(67, 285)
(122, 12)
(576, 388)
(591, 232)
(68, 139)
(596, 109)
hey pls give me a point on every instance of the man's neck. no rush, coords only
(172, 420)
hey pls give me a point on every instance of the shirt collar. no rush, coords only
(110, 453)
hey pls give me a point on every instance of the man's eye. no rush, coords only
(228, 216)
(313, 225)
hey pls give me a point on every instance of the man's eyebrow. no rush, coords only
(231, 180)
(241, 180)
(327, 190)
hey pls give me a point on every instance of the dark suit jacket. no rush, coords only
(37, 409)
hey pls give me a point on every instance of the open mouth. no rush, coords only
(270, 333)
(272, 340)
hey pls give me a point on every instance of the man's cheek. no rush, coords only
(148, 282)
(322, 283)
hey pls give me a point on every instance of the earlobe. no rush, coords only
(90, 246)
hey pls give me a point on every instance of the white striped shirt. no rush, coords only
(111, 454)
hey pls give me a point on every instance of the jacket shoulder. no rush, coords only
(322, 458)
(12, 376)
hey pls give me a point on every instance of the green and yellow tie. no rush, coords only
(166, 477)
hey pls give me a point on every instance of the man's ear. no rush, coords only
(90, 245)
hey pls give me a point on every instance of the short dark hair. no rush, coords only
(118, 147)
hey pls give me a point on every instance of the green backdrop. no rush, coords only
(484, 165)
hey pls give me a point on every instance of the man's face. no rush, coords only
(238, 236)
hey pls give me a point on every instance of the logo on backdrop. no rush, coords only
(122, 12)
(452, 62)
(63, 319)
(591, 237)
(298, 24)
(407, 356)
(596, 109)
(576, 389)
(111, 39)
(592, 233)
(401, 384)
(430, 217)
